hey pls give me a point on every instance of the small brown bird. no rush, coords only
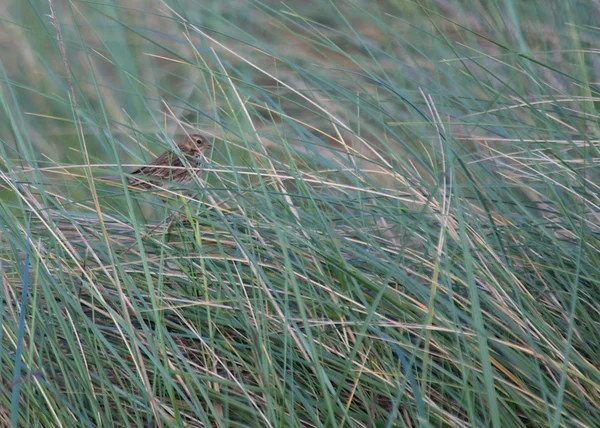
(169, 166)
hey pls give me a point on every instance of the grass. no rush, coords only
(398, 225)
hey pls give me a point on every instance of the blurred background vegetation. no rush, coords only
(399, 224)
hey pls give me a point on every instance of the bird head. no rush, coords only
(195, 145)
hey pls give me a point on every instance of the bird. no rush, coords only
(169, 165)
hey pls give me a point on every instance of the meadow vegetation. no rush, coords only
(399, 224)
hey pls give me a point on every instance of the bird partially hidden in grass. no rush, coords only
(169, 167)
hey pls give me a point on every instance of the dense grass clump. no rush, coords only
(398, 225)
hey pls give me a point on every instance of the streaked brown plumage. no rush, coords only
(169, 166)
